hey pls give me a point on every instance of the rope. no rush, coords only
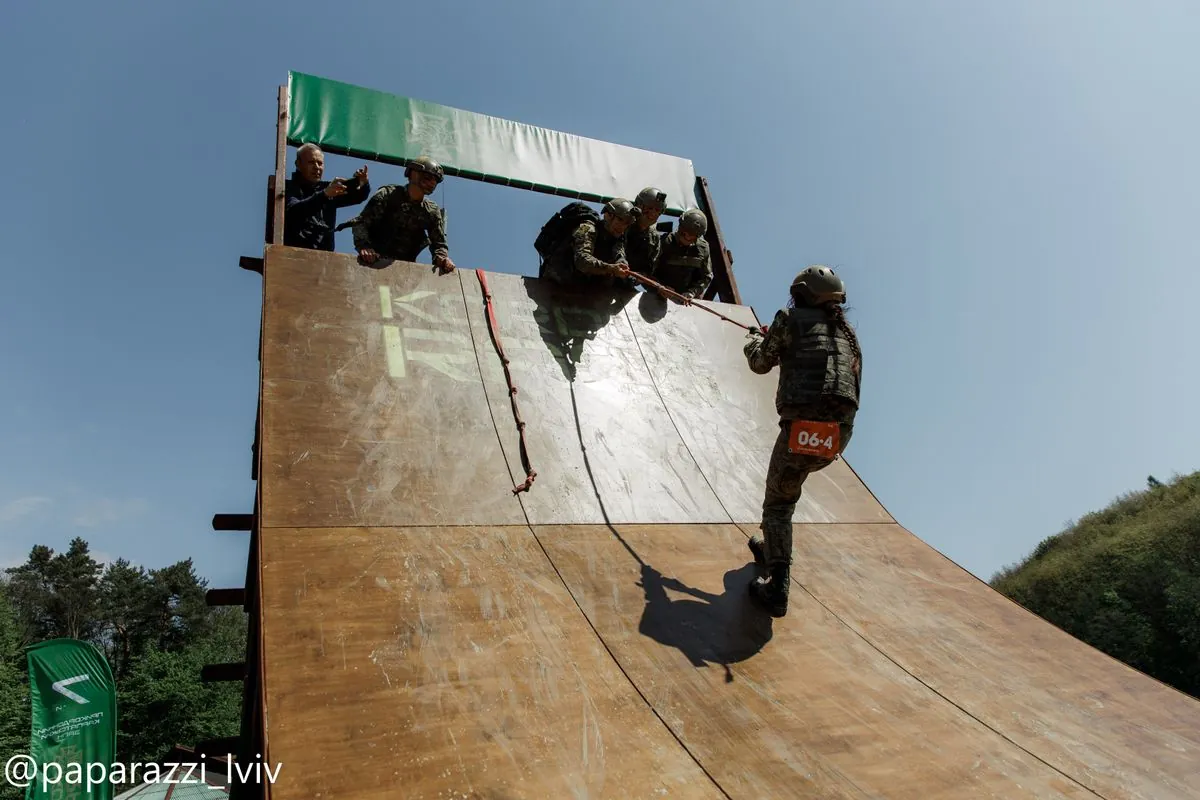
(672, 293)
(493, 328)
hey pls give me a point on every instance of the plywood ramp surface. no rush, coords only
(801, 707)
(447, 662)
(429, 634)
(1118, 731)
(374, 409)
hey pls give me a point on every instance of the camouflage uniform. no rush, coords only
(642, 247)
(819, 377)
(395, 226)
(586, 258)
(686, 269)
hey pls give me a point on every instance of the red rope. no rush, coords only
(672, 293)
(493, 328)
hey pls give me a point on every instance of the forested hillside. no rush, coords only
(1126, 580)
(153, 627)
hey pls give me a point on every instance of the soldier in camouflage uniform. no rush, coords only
(401, 221)
(643, 241)
(820, 371)
(595, 256)
(684, 263)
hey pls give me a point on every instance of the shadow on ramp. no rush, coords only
(719, 629)
(652, 307)
(569, 318)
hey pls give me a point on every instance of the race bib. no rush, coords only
(814, 438)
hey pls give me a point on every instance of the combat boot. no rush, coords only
(772, 592)
(758, 548)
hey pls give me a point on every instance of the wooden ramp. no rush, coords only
(426, 633)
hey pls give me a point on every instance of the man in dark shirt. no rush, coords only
(312, 203)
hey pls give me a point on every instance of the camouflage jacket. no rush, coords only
(819, 372)
(396, 227)
(686, 269)
(587, 257)
(642, 248)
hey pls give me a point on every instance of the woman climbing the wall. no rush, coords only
(820, 371)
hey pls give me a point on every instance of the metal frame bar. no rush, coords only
(724, 286)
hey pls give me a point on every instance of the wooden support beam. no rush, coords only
(232, 522)
(279, 188)
(270, 212)
(251, 263)
(225, 597)
(723, 286)
(213, 673)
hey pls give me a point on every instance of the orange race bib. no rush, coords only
(814, 438)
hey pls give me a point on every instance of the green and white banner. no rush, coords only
(364, 123)
(74, 703)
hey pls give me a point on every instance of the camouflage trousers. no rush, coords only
(786, 475)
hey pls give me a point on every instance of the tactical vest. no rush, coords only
(678, 264)
(819, 366)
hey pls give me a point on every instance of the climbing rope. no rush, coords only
(642, 279)
(493, 328)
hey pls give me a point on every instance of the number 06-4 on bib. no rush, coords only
(814, 438)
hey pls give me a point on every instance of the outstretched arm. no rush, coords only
(763, 354)
(583, 245)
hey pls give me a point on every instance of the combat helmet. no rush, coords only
(622, 209)
(651, 197)
(818, 285)
(428, 166)
(693, 220)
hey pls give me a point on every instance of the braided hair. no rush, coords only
(838, 314)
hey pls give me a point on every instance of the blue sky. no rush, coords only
(1007, 189)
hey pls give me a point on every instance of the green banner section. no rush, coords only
(74, 738)
(370, 124)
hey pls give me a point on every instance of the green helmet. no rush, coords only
(427, 165)
(818, 285)
(651, 197)
(622, 209)
(694, 220)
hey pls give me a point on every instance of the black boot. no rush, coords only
(758, 549)
(772, 592)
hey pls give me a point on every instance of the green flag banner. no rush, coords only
(74, 736)
(350, 120)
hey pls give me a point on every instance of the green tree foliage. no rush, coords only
(153, 627)
(1126, 580)
(14, 695)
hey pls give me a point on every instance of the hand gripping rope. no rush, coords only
(493, 328)
(672, 293)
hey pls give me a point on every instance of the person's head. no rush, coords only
(818, 286)
(692, 225)
(619, 214)
(651, 203)
(310, 162)
(424, 174)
